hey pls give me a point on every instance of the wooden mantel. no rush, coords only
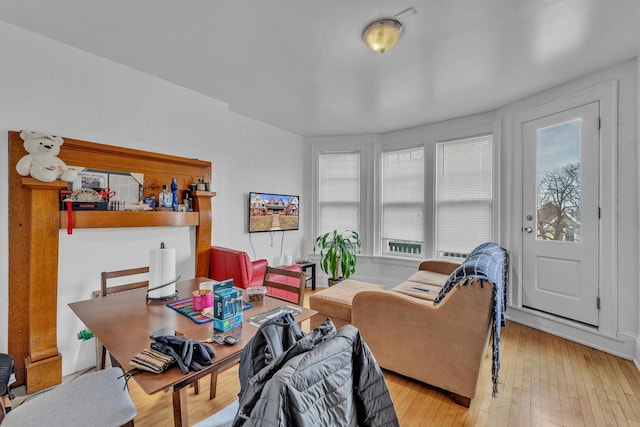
(35, 221)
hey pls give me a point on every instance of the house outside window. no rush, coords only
(339, 191)
(464, 195)
(403, 202)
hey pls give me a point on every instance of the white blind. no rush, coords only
(403, 195)
(464, 194)
(339, 192)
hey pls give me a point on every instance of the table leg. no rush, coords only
(313, 276)
(213, 385)
(180, 414)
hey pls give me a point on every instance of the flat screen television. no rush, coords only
(273, 212)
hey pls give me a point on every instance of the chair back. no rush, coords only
(105, 290)
(287, 284)
(226, 263)
(108, 275)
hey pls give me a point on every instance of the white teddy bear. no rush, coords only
(41, 162)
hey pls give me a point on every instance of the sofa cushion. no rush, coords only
(428, 279)
(336, 300)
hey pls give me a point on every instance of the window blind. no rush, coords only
(403, 200)
(339, 192)
(464, 194)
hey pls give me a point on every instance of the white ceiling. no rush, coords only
(302, 66)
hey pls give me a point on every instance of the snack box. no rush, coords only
(256, 293)
(226, 324)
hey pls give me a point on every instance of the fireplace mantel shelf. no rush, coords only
(35, 221)
(107, 219)
(117, 219)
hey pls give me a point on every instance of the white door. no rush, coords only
(561, 214)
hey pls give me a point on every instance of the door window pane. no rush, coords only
(559, 181)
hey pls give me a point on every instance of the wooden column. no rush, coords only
(202, 204)
(43, 363)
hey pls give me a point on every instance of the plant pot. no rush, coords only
(333, 281)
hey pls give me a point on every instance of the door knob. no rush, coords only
(528, 230)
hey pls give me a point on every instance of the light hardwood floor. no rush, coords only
(544, 381)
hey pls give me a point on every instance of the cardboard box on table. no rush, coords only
(227, 306)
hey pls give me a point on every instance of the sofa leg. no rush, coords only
(461, 400)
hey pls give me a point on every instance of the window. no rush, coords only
(403, 201)
(339, 192)
(464, 195)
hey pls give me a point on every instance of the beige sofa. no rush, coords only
(442, 345)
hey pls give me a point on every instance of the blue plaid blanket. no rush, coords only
(489, 262)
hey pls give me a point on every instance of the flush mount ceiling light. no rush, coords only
(382, 35)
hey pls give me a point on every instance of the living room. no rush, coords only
(52, 87)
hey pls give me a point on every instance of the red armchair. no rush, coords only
(228, 263)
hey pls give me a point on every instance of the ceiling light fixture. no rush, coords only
(382, 35)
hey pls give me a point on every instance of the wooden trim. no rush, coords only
(34, 223)
(202, 204)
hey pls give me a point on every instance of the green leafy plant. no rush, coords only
(338, 253)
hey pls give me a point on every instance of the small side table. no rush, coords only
(312, 266)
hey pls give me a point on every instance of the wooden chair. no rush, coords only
(290, 281)
(106, 290)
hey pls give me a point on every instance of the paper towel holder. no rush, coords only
(166, 297)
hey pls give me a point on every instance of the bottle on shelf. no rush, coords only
(165, 199)
(174, 195)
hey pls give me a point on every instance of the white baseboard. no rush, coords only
(636, 359)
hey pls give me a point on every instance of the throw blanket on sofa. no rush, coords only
(486, 262)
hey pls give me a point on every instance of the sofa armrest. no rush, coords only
(439, 266)
(255, 271)
(441, 345)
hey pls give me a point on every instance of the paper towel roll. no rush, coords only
(162, 269)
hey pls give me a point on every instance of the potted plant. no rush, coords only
(338, 254)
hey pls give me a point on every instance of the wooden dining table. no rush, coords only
(123, 323)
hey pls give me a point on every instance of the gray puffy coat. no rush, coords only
(327, 378)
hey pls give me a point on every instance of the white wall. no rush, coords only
(258, 158)
(51, 87)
